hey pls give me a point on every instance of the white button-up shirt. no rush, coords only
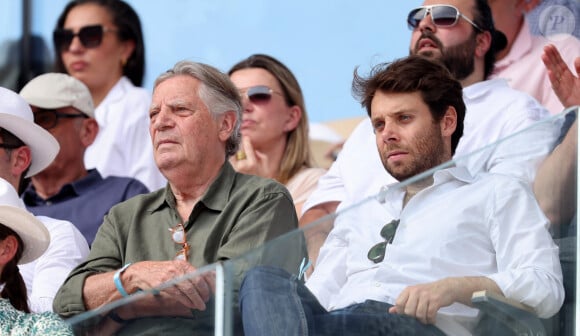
(459, 226)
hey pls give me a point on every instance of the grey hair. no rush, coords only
(216, 91)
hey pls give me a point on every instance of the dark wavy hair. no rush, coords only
(128, 27)
(415, 73)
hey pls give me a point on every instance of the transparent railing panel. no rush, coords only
(514, 162)
(160, 311)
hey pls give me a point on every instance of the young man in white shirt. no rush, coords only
(447, 235)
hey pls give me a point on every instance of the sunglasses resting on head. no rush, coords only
(441, 16)
(90, 36)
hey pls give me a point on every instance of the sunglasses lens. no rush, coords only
(259, 94)
(62, 38)
(91, 36)
(377, 253)
(388, 231)
(181, 256)
(444, 16)
(415, 16)
(178, 235)
(45, 119)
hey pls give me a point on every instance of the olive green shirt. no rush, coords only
(237, 213)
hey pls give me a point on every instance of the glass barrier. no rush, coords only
(460, 207)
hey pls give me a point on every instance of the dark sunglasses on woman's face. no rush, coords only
(90, 37)
(260, 94)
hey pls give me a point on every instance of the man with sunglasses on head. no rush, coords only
(25, 150)
(63, 106)
(447, 235)
(461, 34)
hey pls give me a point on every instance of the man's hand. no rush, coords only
(193, 292)
(423, 301)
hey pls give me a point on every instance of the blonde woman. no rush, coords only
(274, 126)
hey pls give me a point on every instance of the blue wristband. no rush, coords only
(117, 280)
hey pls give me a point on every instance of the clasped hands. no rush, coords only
(192, 292)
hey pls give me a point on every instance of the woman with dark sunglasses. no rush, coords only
(100, 42)
(274, 126)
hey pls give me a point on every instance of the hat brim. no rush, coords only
(43, 145)
(46, 103)
(33, 233)
(53, 104)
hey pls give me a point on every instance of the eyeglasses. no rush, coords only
(441, 16)
(377, 252)
(48, 119)
(259, 94)
(90, 36)
(178, 236)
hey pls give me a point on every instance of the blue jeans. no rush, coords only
(274, 302)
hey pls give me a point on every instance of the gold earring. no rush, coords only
(123, 62)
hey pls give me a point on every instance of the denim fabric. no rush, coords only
(274, 302)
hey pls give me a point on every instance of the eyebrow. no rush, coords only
(178, 102)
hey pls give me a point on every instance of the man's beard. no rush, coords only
(458, 59)
(428, 150)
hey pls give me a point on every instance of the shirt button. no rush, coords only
(377, 284)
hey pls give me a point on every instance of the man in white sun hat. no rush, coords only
(66, 190)
(26, 149)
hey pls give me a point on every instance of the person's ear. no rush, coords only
(294, 116)
(8, 248)
(20, 160)
(127, 51)
(483, 43)
(88, 131)
(227, 124)
(449, 122)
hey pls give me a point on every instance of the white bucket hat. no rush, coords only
(17, 118)
(33, 233)
(57, 90)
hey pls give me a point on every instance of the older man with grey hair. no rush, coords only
(207, 213)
